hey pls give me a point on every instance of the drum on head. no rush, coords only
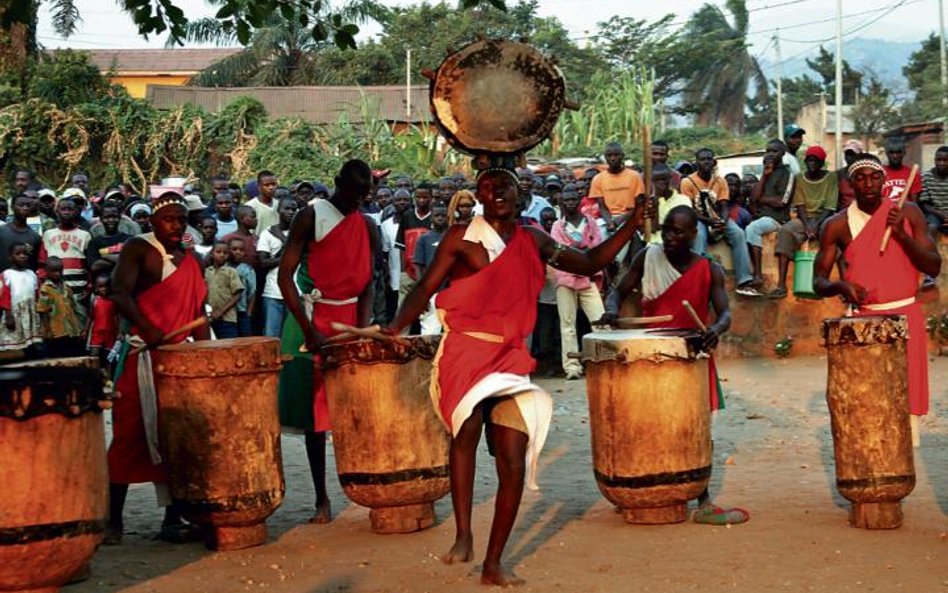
(649, 414)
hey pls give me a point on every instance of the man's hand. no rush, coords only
(313, 339)
(896, 221)
(608, 318)
(852, 293)
(611, 225)
(709, 339)
(769, 165)
(811, 232)
(151, 335)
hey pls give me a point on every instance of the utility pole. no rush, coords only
(944, 60)
(408, 84)
(779, 85)
(839, 83)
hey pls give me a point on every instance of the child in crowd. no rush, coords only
(103, 322)
(270, 250)
(21, 328)
(102, 251)
(57, 309)
(223, 291)
(208, 233)
(422, 259)
(246, 223)
(248, 278)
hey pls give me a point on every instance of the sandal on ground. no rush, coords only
(180, 533)
(747, 289)
(714, 515)
(778, 293)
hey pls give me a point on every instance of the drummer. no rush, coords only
(667, 275)
(877, 282)
(480, 375)
(158, 287)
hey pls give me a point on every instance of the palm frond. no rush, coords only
(65, 17)
(234, 70)
(208, 30)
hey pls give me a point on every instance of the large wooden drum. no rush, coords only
(391, 448)
(54, 500)
(649, 415)
(220, 434)
(867, 394)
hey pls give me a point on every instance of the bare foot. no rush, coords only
(461, 551)
(322, 515)
(499, 576)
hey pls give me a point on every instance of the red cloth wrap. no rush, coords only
(340, 268)
(175, 301)
(888, 277)
(693, 286)
(499, 299)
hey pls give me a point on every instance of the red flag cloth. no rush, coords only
(340, 267)
(500, 300)
(175, 301)
(693, 286)
(890, 277)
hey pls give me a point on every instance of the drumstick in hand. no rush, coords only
(694, 316)
(188, 327)
(902, 198)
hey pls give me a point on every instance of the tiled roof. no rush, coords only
(168, 61)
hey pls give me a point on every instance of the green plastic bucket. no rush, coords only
(803, 262)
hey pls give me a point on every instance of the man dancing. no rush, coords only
(879, 282)
(668, 274)
(158, 287)
(496, 271)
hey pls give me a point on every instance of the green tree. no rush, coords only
(720, 69)
(824, 64)
(626, 41)
(923, 72)
(796, 93)
(875, 111)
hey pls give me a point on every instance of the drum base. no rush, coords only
(676, 513)
(236, 538)
(406, 519)
(876, 515)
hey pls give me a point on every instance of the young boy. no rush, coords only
(245, 305)
(270, 250)
(57, 309)
(208, 233)
(223, 291)
(102, 252)
(246, 223)
(424, 254)
(68, 243)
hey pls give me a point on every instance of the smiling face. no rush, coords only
(498, 192)
(110, 218)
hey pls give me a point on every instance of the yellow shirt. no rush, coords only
(618, 190)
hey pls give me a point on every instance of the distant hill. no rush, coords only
(884, 58)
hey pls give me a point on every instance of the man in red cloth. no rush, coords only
(667, 275)
(339, 243)
(496, 270)
(879, 282)
(158, 287)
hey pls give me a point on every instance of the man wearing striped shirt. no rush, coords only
(934, 197)
(68, 242)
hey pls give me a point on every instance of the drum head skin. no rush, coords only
(497, 96)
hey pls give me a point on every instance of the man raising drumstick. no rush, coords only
(496, 271)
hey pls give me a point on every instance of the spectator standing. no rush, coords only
(531, 203)
(246, 223)
(248, 278)
(414, 223)
(223, 291)
(208, 238)
(18, 231)
(422, 259)
(103, 250)
(21, 329)
(846, 193)
(401, 201)
(265, 205)
(68, 243)
(270, 250)
(224, 214)
(56, 306)
(934, 196)
(103, 321)
(897, 172)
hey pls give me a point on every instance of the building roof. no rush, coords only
(164, 61)
(319, 104)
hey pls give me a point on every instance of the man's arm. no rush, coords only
(830, 243)
(124, 280)
(628, 283)
(266, 261)
(300, 232)
(918, 246)
(367, 296)
(417, 300)
(722, 309)
(250, 286)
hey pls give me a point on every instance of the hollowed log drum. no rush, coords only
(867, 394)
(391, 448)
(649, 416)
(53, 471)
(220, 434)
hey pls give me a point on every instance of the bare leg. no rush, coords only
(510, 447)
(783, 263)
(117, 494)
(463, 460)
(316, 454)
(756, 257)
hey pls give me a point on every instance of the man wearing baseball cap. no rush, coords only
(815, 193)
(793, 138)
(851, 148)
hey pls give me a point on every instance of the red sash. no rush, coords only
(889, 277)
(340, 268)
(173, 302)
(500, 299)
(693, 286)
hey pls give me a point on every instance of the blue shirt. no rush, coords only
(249, 279)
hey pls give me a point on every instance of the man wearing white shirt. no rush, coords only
(401, 200)
(533, 204)
(263, 205)
(793, 138)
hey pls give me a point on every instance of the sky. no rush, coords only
(803, 24)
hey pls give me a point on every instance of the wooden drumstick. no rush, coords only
(190, 326)
(902, 198)
(372, 331)
(632, 321)
(694, 316)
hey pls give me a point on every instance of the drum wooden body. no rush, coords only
(649, 416)
(53, 471)
(220, 434)
(497, 96)
(867, 394)
(391, 447)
